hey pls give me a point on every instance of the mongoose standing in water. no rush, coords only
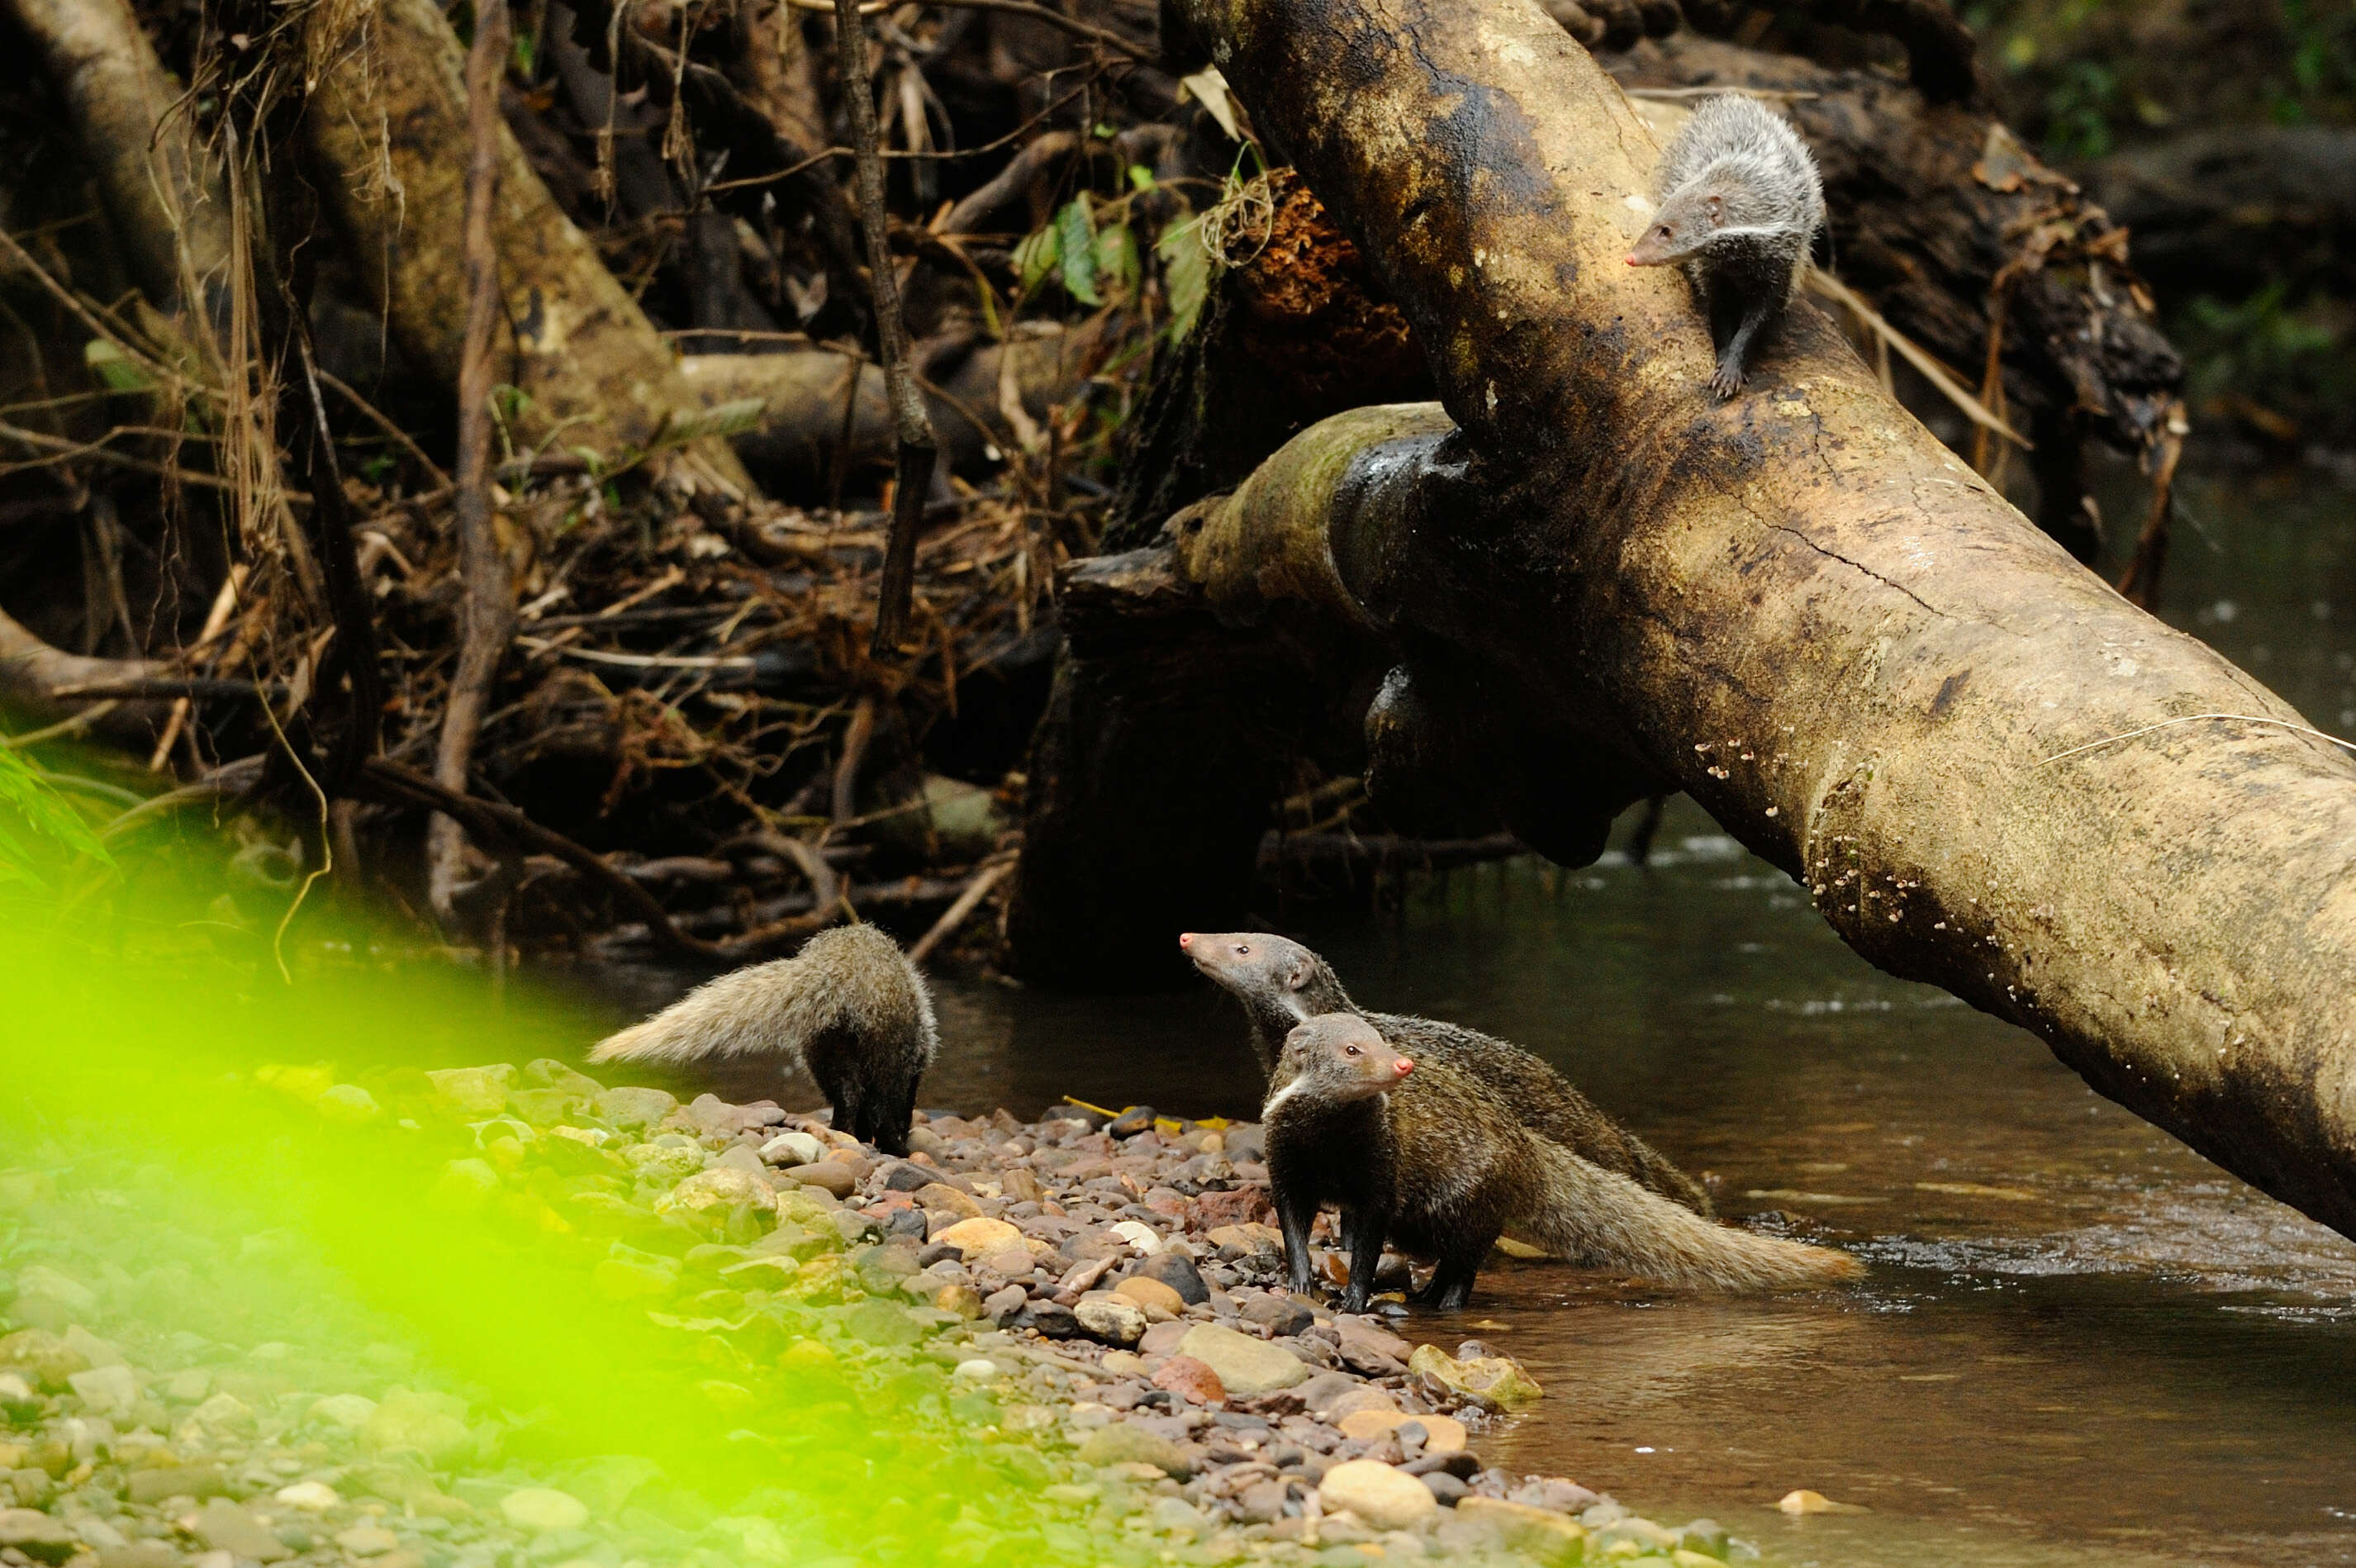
(849, 1007)
(1424, 1157)
(1281, 983)
(1739, 203)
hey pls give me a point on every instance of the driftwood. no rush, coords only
(1987, 769)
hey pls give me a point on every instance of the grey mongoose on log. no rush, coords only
(1418, 1154)
(850, 1007)
(1282, 984)
(1738, 203)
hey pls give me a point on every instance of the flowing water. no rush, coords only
(2080, 1343)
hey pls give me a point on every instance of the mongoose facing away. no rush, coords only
(1417, 1154)
(1738, 203)
(1281, 983)
(849, 1007)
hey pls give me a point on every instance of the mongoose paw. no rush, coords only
(1726, 381)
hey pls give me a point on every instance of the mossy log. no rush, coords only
(1796, 606)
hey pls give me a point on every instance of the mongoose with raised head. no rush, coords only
(1739, 202)
(1418, 1154)
(850, 1007)
(1281, 983)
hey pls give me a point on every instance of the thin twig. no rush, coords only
(71, 725)
(181, 688)
(855, 736)
(955, 915)
(376, 416)
(2140, 581)
(395, 785)
(1938, 375)
(490, 598)
(216, 622)
(917, 448)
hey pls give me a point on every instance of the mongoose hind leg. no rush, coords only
(834, 1067)
(1450, 1289)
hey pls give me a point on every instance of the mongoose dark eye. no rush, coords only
(1243, 947)
(1353, 1050)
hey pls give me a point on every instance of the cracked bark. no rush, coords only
(1605, 583)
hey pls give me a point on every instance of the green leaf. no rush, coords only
(1185, 272)
(1037, 256)
(35, 821)
(1116, 258)
(116, 368)
(1141, 177)
(1075, 229)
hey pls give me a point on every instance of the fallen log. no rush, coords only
(800, 435)
(1989, 771)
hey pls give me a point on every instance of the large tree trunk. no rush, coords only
(1796, 606)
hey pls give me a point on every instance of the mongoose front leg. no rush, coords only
(1295, 1212)
(1362, 1233)
(1727, 380)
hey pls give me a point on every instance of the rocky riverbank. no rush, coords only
(1095, 1303)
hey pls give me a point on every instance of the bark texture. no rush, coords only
(1795, 606)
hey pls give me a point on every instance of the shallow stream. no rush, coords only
(2081, 1343)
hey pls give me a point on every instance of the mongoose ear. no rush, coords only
(1297, 977)
(1714, 208)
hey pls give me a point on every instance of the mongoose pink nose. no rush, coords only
(1185, 938)
(1403, 1067)
(1631, 261)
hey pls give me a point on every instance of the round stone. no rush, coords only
(1441, 1434)
(1383, 1497)
(543, 1508)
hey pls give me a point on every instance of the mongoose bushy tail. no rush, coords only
(1421, 1156)
(1739, 203)
(1282, 984)
(850, 1007)
(1601, 1218)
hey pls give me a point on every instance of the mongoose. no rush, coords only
(1739, 203)
(849, 1007)
(1281, 983)
(1421, 1156)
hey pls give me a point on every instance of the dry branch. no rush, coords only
(916, 448)
(490, 607)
